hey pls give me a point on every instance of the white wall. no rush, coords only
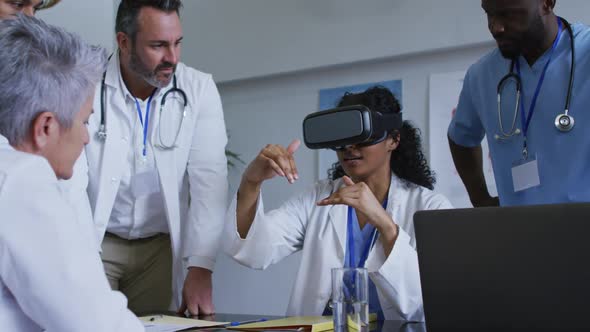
(93, 20)
(242, 39)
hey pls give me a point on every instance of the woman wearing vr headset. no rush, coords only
(365, 210)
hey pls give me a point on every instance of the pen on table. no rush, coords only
(247, 321)
(155, 317)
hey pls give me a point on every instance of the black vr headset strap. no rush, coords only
(387, 122)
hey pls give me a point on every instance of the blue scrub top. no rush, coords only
(563, 158)
(361, 238)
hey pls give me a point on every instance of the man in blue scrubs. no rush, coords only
(550, 165)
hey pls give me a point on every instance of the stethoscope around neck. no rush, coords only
(563, 122)
(102, 129)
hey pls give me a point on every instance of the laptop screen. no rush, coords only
(517, 267)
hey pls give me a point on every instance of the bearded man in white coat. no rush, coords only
(156, 173)
(50, 273)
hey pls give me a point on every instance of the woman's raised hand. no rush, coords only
(273, 160)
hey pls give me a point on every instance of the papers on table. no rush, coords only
(301, 323)
(163, 323)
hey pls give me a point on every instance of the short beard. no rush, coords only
(531, 40)
(510, 54)
(151, 77)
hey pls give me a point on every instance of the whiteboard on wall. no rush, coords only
(445, 89)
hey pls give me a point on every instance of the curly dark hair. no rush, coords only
(407, 161)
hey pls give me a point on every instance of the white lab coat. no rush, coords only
(51, 278)
(193, 176)
(320, 232)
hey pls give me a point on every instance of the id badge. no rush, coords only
(145, 183)
(525, 173)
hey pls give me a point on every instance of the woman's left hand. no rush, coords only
(361, 198)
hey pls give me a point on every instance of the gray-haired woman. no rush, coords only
(51, 277)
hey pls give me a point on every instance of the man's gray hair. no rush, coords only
(43, 68)
(128, 12)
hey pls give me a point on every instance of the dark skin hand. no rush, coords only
(469, 164)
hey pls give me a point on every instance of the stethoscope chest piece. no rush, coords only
(101, 134)
(564, 122)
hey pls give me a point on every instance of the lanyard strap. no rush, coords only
(526, 121)
(367, 245)
(145, 124)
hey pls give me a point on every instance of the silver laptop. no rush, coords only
(505, 268)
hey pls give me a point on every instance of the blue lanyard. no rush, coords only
(368, 244)
(147, 119)
(525, 122)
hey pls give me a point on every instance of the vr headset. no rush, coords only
(340, 127)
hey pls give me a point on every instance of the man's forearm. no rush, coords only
(469, 164)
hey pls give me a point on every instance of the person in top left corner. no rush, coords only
(28, 7)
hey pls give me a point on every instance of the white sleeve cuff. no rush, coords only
(199, 261)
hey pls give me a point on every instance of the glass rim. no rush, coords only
(350, 269)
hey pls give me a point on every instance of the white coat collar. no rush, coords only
(338, 214)
(3, 140)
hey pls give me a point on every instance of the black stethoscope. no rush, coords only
(563, 122)
(102, 129)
